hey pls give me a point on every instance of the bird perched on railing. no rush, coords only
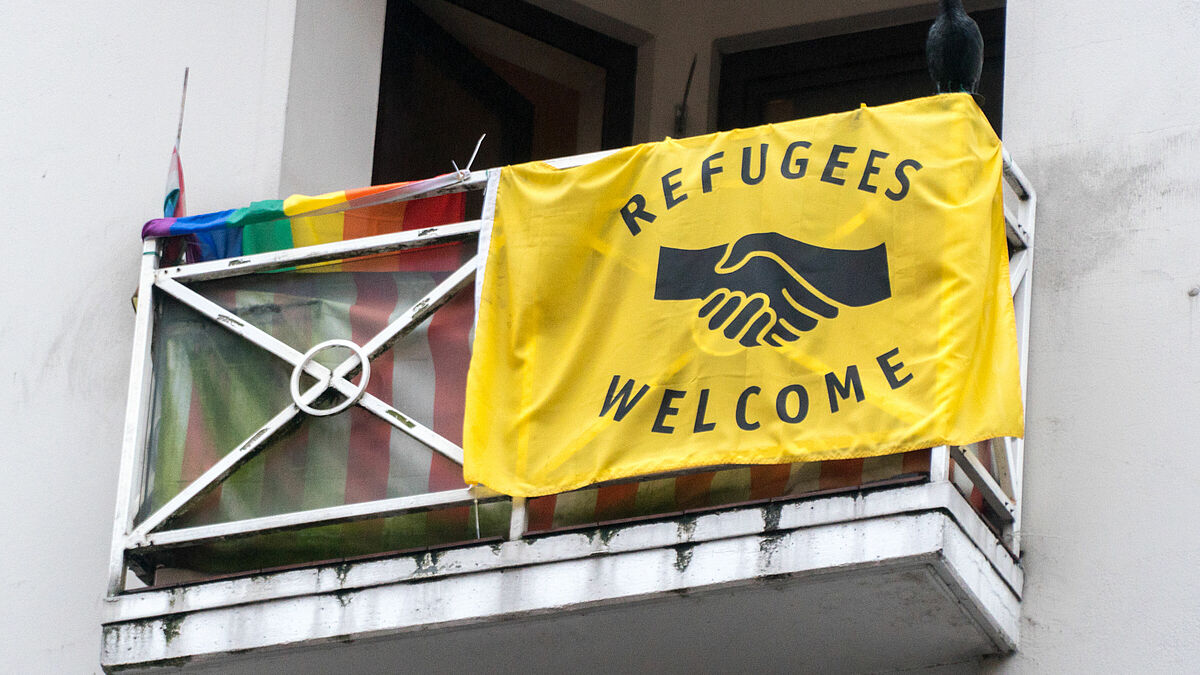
(954, 49)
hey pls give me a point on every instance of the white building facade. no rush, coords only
(1098, 109)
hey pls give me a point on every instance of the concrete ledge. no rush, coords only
(922, 541)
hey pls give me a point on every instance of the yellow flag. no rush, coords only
(825, 288)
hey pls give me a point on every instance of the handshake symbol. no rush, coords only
(766, 288)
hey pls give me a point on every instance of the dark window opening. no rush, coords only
(837, 73)
(441, 86)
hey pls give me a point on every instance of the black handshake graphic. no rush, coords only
(757, 291)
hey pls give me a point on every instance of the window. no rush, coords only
(837, 73)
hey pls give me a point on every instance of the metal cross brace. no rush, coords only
(338, 379)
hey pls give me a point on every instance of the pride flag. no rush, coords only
(213, 389)
(303, 220)
(174, 205)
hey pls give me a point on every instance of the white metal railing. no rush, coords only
(1001, 489)
(155, 531)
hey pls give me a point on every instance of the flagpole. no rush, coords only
(175, 204)
(182, 102)
(174, 180)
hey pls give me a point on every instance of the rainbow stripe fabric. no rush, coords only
(277, 224)
(213, 389)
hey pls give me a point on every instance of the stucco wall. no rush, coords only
(333, 94)
(1101, 112)
(87, 118)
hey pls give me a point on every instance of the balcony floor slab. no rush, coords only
(897, 578)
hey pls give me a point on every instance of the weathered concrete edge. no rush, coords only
(558, 547)
(898, 539)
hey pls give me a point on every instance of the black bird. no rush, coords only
(954, 49)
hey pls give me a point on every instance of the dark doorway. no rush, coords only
(445, 80)
(834, 74)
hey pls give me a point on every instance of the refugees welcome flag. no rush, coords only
(827, 288)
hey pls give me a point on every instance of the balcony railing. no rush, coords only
(988, 475)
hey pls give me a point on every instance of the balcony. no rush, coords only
(853, 566)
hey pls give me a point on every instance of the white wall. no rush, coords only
(333, 96)
(87, 118)
(1101, 112)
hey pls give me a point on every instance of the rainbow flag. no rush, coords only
(303, 220)
(213, 389)
(174, 205)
